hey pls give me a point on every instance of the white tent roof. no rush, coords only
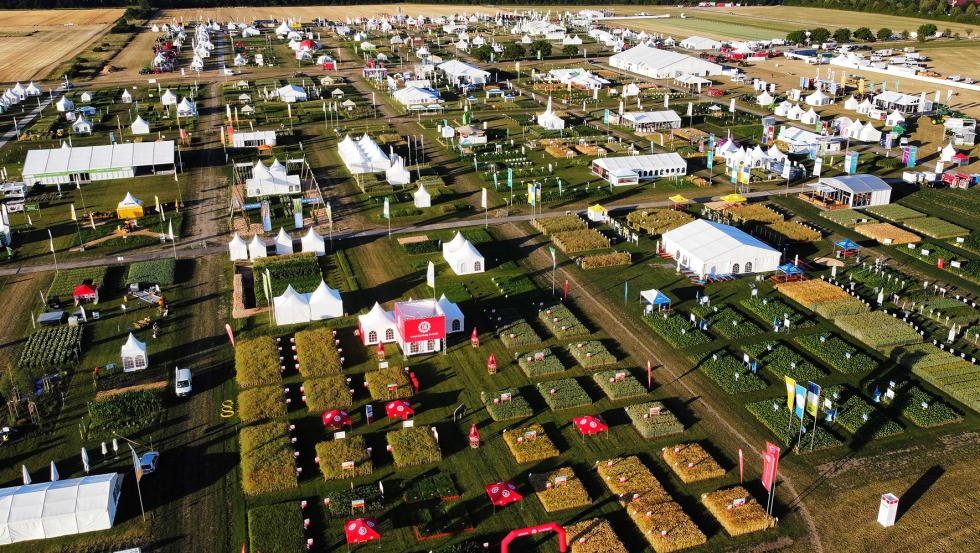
(764, 99)
(422, 192)
(947, 153)
(140, 126)
(652, 117)
(363, 156)
(65, 507)
(851, 103)
(186, 107)
(284, 243)
(795, 113)
(856, 184)
(818, 98)
(649, 162)
(168, 98)
(454, 244)
(397, 174)
(708, 240)
(451, 310)
(257, 248)
(130, 201)
(325, 303)
(313, 242)
(460, 251)
(64, 104)
(133, 347)
(377, 320)
(291, 307)
(238, 248)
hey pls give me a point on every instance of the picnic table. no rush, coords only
(147, 296)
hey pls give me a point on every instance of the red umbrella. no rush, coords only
(335, 418)
(399, 408)
(492, 362)
(474, 433)
(590, 424)
(361, 529)
(503, 493)
(475, 335)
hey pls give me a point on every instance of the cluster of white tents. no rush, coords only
(411, 95)
(185, 107)
(551, 120)
(363, 155)
(794, 112)
(241, 250)
(271, 181)
(17, 94)
(293, 307)
(462, 256)
(755, 158)
(867, 107)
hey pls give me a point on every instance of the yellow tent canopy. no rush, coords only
(678, 199)
(130, 207)
(733, 199)
(597, 209)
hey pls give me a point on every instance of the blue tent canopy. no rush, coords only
(847, 244)
(654, 297)
(790, 269)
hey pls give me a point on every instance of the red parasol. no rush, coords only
(590, 424)
(474, 433)
(492, 362)
(361, 529)
(335, 418)
(503, 493)
(399, 408)
(475, 335)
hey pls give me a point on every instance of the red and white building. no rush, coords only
(417, 326)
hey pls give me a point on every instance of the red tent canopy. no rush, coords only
(475, 335)
(492, 362)
(399, 408)
(85, 290)
(503, 493)
(474, 433)
(361, 529)
(590, 424)
(335, 418)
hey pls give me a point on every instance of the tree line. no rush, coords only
(844, 35)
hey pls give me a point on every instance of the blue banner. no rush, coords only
(912, 153)
(605, 117)
(711, 159)
(494, 180)
(510, 178)
(800, 401)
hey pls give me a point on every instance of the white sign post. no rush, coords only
(887, 510)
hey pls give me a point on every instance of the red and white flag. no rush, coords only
(770, 465)
(741, 467)
(649, 375)
(565, 295)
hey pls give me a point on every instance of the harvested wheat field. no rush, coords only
(308, 13)
(48, 37)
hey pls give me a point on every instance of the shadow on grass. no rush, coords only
(918, 489)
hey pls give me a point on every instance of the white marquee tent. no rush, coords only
(284, 243)
(290, 93)
(313, 242)
(238, 248)
(133, 353)
(140, 126)
(662, 64)
(363, 156)
(422, 197)
(818, 98)
(710, 248)
(551, 120)
(168, 98)
(257, 248)
(462, 256)
(454, 316)
(855, 190)
(397, 174)
(64, 104)
(377, 326)
(325, 303)
(62, 508)
(810, 117)
(271, 181)
(291, 307)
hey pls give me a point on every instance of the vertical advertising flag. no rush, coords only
(329, 214)
(711, 141)
(136, 465)
(817, 166)
(649, 374)
(494, 180)
(559, 188)
(530, 193)
(666, 101)
(731, 107)
(387, 213)
(812, 398)
(790, 392)
(554, 261)
(711, 159)
(787, 170)
(510, 178)
(690, 109)
(565, 292)
(853, 167)
(537, 191)
(741, 467)
(912, 153)
(605, 117)
(735, 171)
(430, 275)
(483, 199)
(800, 401)
(770, 465)
(73, 216)
(51, 239)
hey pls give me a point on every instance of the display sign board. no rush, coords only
(422, 328)
(347, 465)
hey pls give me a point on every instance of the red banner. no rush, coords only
(231, 336)
(649, 375)
(565, 295)
(427, 328)
(770, 464)
(741, 467)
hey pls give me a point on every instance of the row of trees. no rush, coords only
(865, 34)
(517, 51)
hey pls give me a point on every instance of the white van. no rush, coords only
(183, 382)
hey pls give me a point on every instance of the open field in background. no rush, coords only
(308, 13)
(34, 42)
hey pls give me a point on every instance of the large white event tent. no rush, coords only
(325, 303)
(363, 156)
(62, 508)
(93, 163)
(551, 120)
(377, 326)
(649, 166)
(397, 174)
(711, 248)
(462, 256)
(257, 248)
(662, 64)
(855, 191)
(238, 248)
(454, 315)
(313, 242)
(133, 354)
(291, 307)
(460, 72)
(271, 181)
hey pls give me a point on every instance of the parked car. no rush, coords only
(149, 462)
(183, 382)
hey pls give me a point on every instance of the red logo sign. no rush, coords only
(770, 464)
(429, 328)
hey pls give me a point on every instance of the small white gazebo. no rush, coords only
(168, 98)
(133, 354)
(284, 243)
(126, 98)
(64, 104)
(238, 248)
(313, 242)
(325, 303)
(422, 197)
(257, 248)
(140, 126)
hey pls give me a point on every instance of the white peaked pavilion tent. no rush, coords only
(271, 181)
(422, 197)
(168, 98)
(313, 242)
(133, 354)
(284, 243)
(810, 117)
(186, 108)
(764, 99)
(64, 104)
(291, 307)
(454, 316)
(257, 248)
(290, 93)
(377, 326)
(818, 98)
(947, 153)
(238, 248)
(62, 508)
(894, 118)
(325, 303)
(140, 126)
(463, 258)
(397, 174)
(851, 103)
(711, 248)
(363, 156)
(34, 90)
(550, 120)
